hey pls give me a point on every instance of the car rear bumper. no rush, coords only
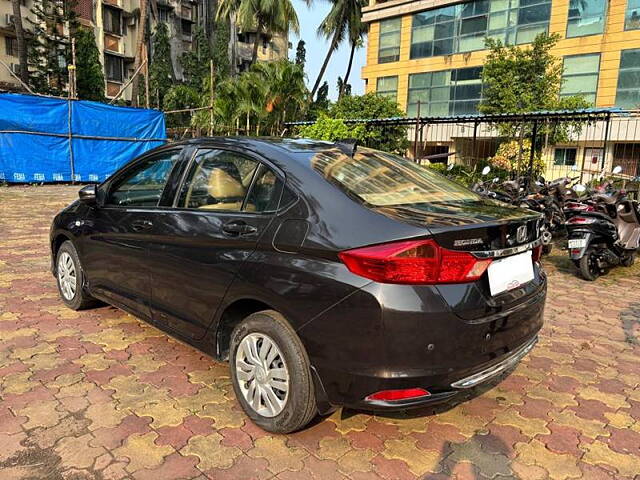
(430, 347)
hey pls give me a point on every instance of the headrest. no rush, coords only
(222, 185)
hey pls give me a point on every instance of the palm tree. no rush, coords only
(20, 40)
(343, 20)
(357, 29)
(286, 92)
(273, 16)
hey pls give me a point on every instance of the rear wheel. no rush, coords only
(271, 373)
(588, 264)
(70, 278)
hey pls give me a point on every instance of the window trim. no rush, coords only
(113, 9)
(247, 153)
(385, 92)
(624, 70)
(108, 185)
(564, 156)
(398, 32)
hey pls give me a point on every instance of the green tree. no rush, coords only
(195, 62)
(523, 79)
(220, 49)
(343, 87)
(89, 76)
(344, 21)
(301, 53)
(526, 79)
(261, 16)
(181, 97)
(48, 49)
(370, 105)
(161, 76)
(331, 129)
(321, 104)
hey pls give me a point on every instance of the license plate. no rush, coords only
(577, 242)
(510, 272)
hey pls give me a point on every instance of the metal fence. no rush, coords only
(587, 143)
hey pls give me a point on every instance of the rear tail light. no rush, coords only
(393, 395)
(536, 253)
(414, 262)
(581, 220)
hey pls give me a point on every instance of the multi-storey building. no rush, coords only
(430, 52)
(8, 44)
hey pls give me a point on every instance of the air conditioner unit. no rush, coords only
(8, 20)
(131, 21)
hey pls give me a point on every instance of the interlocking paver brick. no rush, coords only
(99, 394)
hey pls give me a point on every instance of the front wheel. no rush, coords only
(628, 261)
(70, 278)
(271, 374)
(588, 264)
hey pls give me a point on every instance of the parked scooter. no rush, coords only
(605, 237)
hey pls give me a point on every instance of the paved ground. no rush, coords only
(101, 395)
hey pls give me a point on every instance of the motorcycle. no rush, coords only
(606, 236)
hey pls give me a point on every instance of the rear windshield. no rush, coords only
(382, 179)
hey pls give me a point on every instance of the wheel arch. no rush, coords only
(57, 240)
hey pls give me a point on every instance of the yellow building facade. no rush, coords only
(408, 39)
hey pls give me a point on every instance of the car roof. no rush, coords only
(260, 144)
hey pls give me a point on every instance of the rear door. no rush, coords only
(224, 204)
(114, 246)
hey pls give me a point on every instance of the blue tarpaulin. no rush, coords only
(45, 139)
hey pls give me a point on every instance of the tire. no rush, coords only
(628, 261)
(588, 267)
(70, 279)
(297, 404)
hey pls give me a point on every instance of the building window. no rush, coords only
(449, 92)
(464, 27)
(632, 18)
(565, 157)
(11, 46)
(389, 47)
(387, 87)
(628, 93)
(586, 17)
(580, 76)
(112, 20)
(163, 14)
(114, 68)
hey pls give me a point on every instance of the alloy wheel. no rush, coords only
(67, 276)
(262, 374)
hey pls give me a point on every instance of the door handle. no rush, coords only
(238, 228)
(140, 225)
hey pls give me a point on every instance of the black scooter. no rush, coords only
(606, 237)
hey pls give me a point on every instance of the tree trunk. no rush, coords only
(135, 85)
(256, 44)
(346, 75)
(20, 40)
(334, 44)
(248, 129)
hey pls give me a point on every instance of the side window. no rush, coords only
(265, 192)
(217, 180)
(143, 186)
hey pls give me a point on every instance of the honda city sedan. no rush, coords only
(326, 274)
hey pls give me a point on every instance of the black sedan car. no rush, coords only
(327, 275)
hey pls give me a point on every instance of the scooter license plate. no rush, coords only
(577, 242)
(510, 272)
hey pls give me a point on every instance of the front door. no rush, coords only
(223, 206)
(115, 244)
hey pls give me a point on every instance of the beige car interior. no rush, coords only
(226, 191)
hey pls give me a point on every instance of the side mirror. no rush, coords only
(88, 194)
(579, 188)
(486, 170)
(617, 170)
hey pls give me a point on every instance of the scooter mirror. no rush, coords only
(486, 170)
(495, 180)
(617, 170)
(579, 188)
(449, 167)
